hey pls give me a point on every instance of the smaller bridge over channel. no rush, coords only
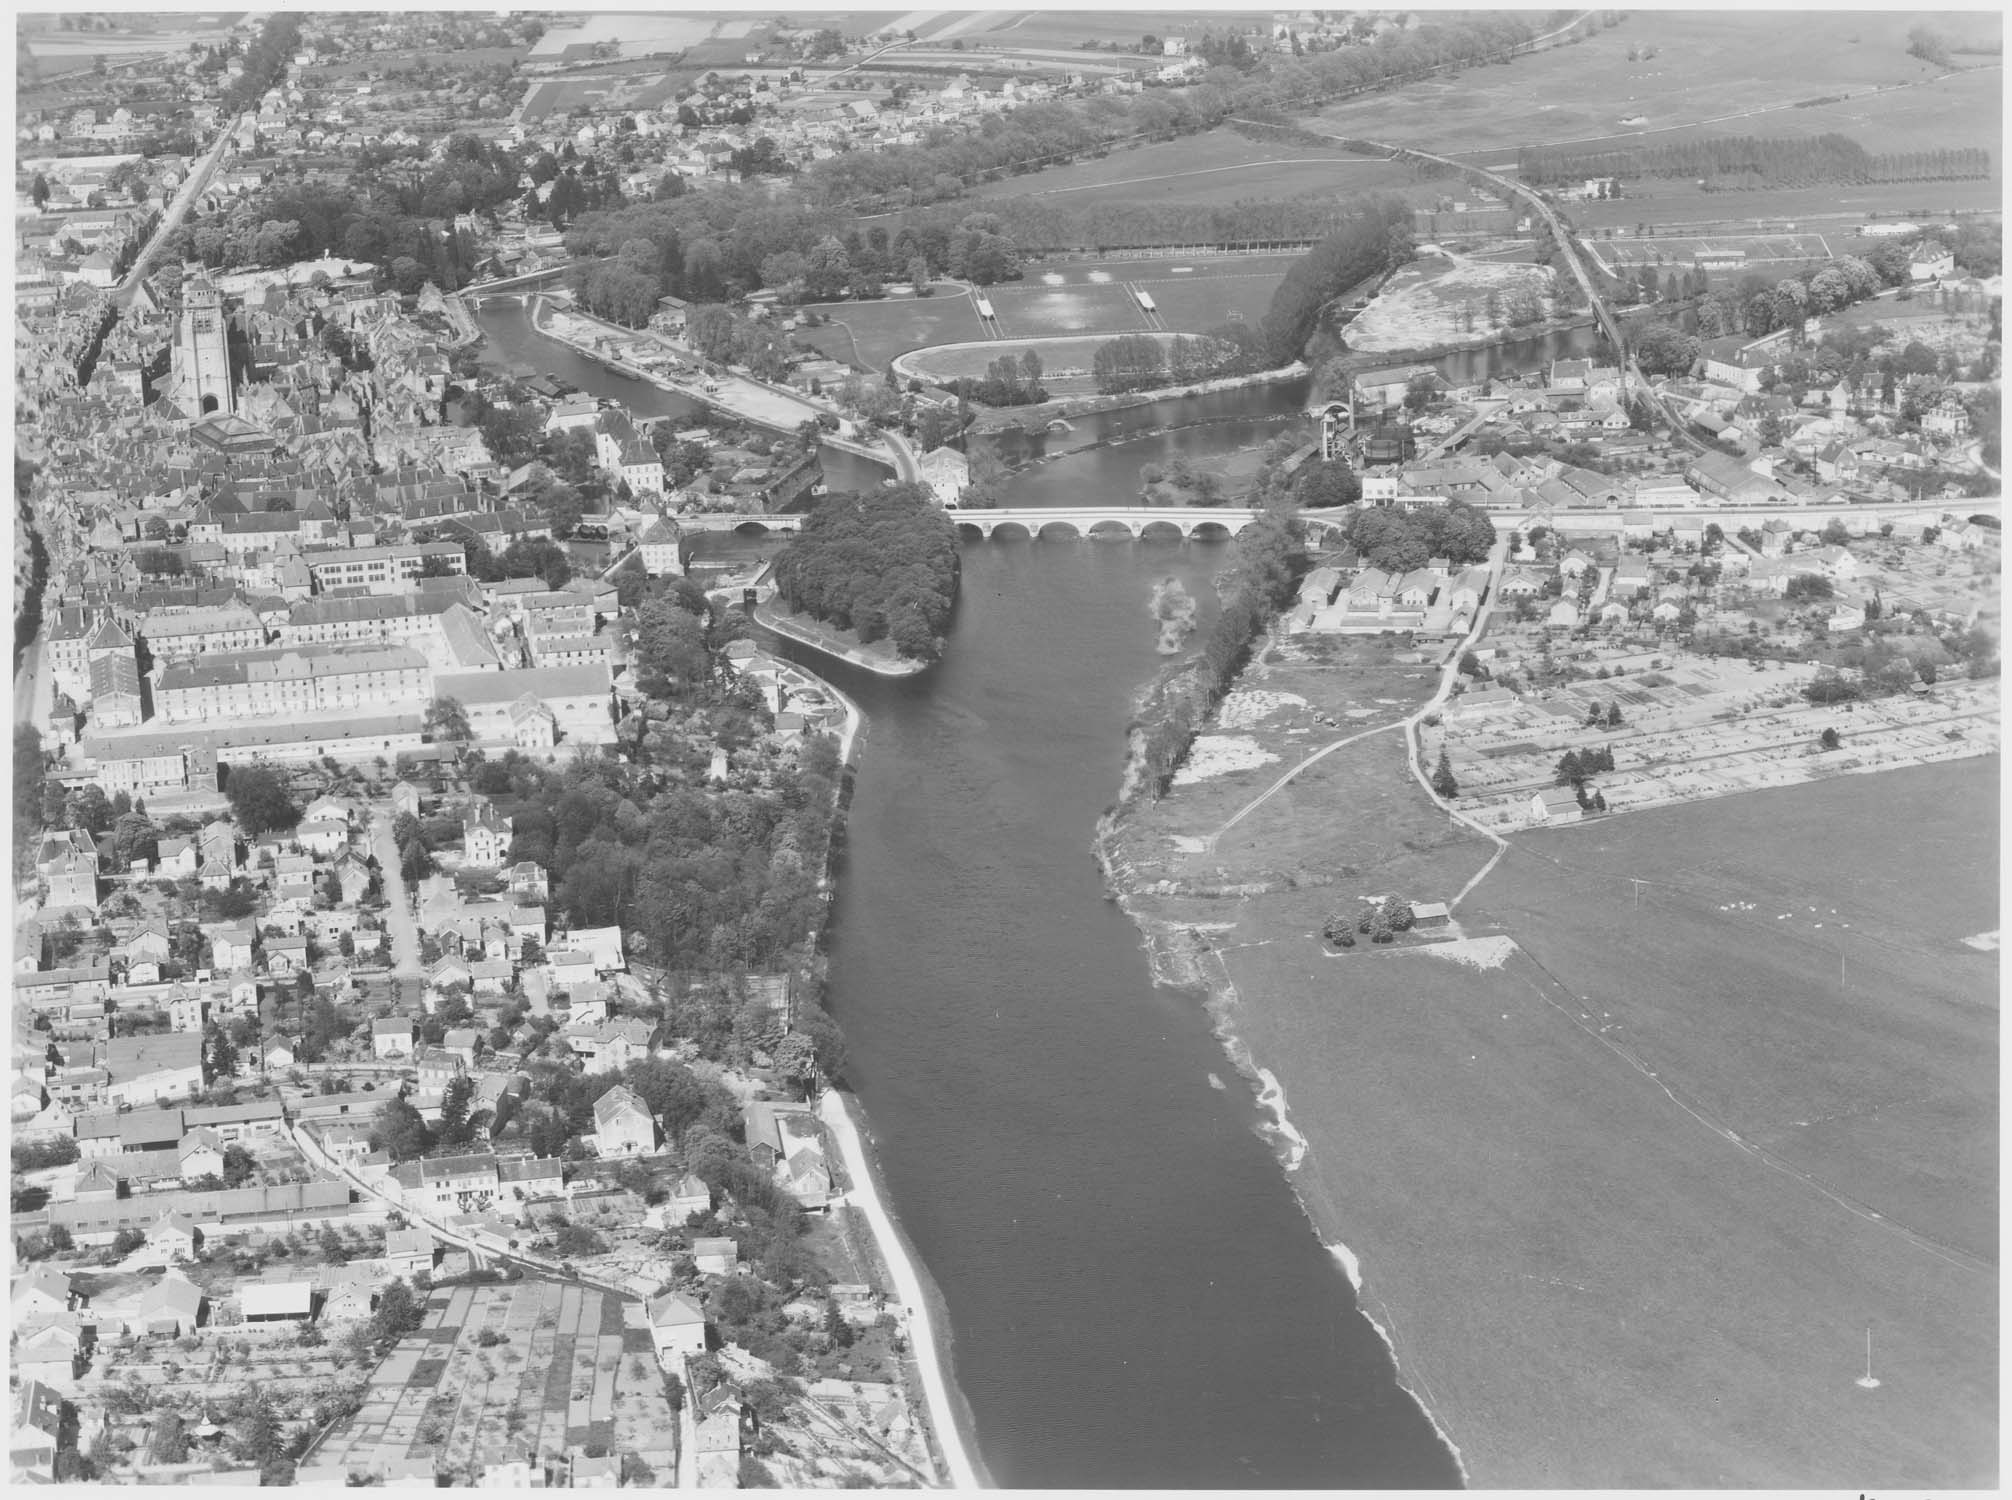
(748, 521)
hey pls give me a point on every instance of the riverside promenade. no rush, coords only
(951, 1442)
(879, 659)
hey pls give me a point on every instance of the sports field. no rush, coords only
(1056, 298)
(1030, 308)
(1628, 1204)
(1216, 167)
(1740, 70)
(572, 1371)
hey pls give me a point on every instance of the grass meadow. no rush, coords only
(1722, 66)
(1216, 167)
(1628, 1204)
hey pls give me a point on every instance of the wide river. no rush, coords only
(1133, 1294)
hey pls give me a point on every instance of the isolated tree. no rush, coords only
(1443, 782)
(454, 1102)
(1829, 739)
(1569, 770)
(446, 719)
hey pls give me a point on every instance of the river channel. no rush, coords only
(1133, 1295)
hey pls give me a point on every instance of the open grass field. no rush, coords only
(570, 1373)
(1737, 69)
(1218, 166)
(1676, 1168)
(880, 330)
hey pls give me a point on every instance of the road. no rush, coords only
(398, 912)
(31, 701)
(193, 188)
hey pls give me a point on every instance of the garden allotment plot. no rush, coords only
(570, 1372)
(1686, 251)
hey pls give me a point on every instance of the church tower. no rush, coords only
(202, 372)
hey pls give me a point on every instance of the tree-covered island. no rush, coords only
(881, 565)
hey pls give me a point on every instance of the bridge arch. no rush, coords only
(1066, 523)
(752, 528)
(1161, 528)
(1016, 529)
(1107, 527)
(1211, 531)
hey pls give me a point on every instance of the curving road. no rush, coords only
(1498, 555)
(1561, 234)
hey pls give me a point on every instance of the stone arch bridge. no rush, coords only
(1075, 521)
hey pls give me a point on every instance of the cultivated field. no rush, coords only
(572, 1371)
(641, 35)
(1739, 69)
(1217, 167)
(1432, 302)
(1061, 28)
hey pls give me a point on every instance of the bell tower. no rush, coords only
(202, 351)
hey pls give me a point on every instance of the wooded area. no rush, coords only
(880, 564)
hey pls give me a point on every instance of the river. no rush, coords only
(1133, 1294)
(1134, 1297)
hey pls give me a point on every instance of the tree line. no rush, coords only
(1259, 584)
(1375, 237)
(265, 62)
(1772, 161)
(882, 564)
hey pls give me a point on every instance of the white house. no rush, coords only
(946, 472)
(677, 1328)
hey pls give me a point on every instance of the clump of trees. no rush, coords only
(1576, 767)
(1007, 382)
(881, 564)
(1400, 540)
(1140, 362)
(261, 800)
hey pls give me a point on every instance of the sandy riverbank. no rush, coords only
(928, 1332)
